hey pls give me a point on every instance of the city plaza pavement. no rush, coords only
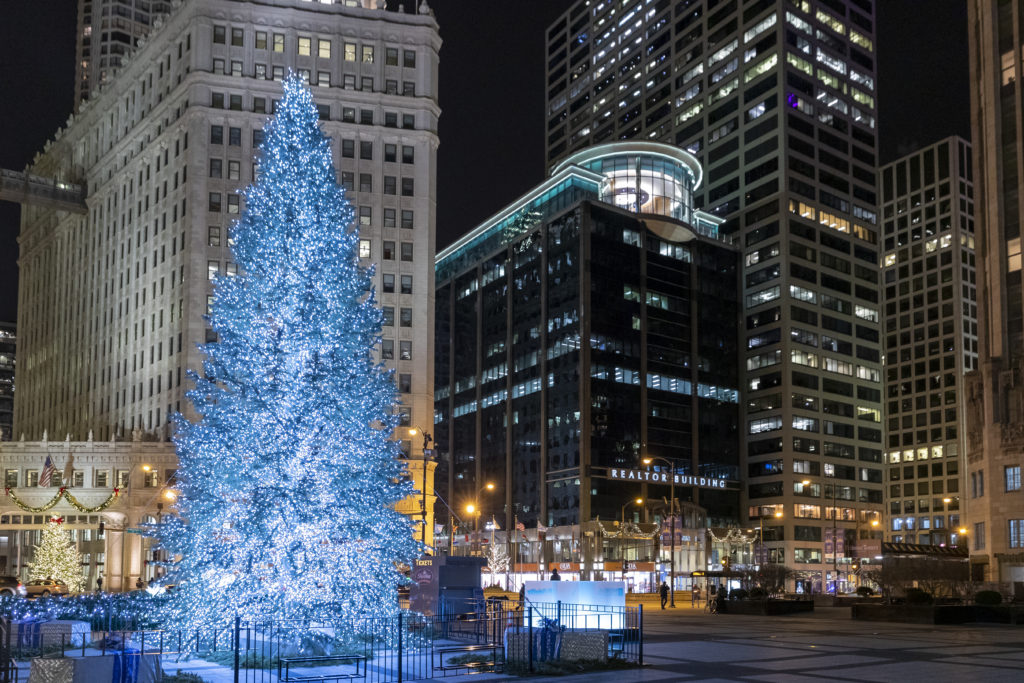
(687, 645)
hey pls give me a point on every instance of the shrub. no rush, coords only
(865, 591)
(988, 598)
(758, 593)
(916, 596)
(738, 594)
(182, 678)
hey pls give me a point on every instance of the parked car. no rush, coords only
(10, 585)
(44, 587)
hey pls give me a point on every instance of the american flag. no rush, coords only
(47, 474)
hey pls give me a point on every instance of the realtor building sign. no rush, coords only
(645, 476)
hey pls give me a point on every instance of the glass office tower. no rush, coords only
(776, 98)
(587, 326)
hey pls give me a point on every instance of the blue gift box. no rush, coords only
(30, 632)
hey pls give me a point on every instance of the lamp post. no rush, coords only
(760, 533)
(835, 544)
(945, 518)
(427, 438)
(637, 501)
(874, 525)
(672, 516)
(474, 509)
(835, 539)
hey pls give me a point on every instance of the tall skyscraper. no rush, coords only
(111, 300)
(107, 31)
(931, 337)
(776, 98)
(995, 394)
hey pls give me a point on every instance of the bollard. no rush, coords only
(238, 627)
(399, 647)
(529, 642)
(640, 630)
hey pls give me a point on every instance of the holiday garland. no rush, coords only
(62, 492)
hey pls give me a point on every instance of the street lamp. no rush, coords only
(474, 509)
(427, 438)
(672, 515)
(760, 533)
(638, 501)
(835, 539)
(945, 521)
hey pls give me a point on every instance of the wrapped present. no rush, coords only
(32, 633)
(73, 633)
(123, 667)
(27, 633)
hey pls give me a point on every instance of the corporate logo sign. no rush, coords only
(666, 478)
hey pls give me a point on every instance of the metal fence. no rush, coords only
(493, 636)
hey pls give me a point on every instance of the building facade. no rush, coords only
(111, 300)
(995, 392)
(116, 490)
(106, 32)
(776, 98)
(106, 528)
(931, 337)
(584, 328)
(8, 349)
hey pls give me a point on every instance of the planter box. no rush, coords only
(769, 607)
(572, 645)
(940, 614)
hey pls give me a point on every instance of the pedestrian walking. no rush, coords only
(695, 596)
(664, 594)
(99, 583)
(555, 576)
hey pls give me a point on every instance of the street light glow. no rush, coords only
(470, 508)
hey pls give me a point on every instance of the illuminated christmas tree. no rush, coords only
(288, 480)
(56, 557)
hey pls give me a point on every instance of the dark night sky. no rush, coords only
(492, 97)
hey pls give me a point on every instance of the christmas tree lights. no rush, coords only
(288, 481)
(56, 557)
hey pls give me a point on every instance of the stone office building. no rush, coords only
(113, 289)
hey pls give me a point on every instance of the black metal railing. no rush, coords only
(494, 636)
